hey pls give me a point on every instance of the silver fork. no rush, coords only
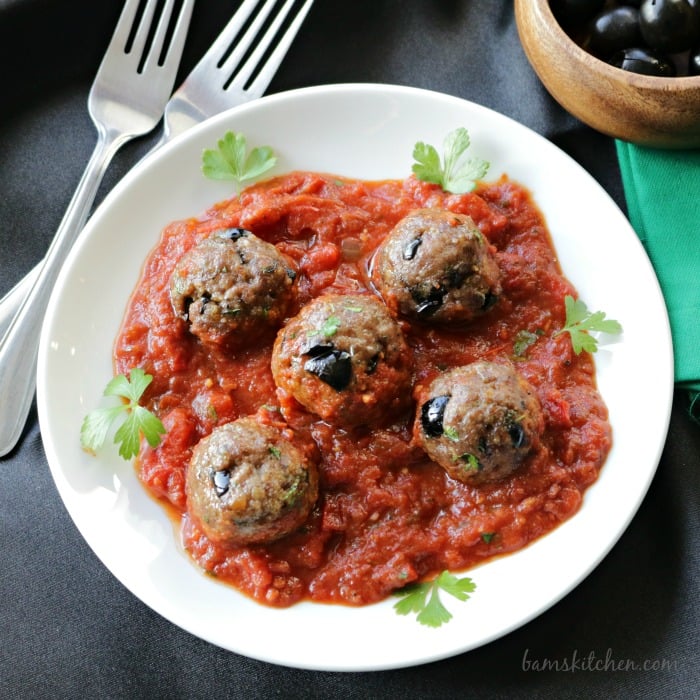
(213, 86)
(127, 99)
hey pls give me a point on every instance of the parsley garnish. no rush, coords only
(231, 162)
(579, 320)
(471, 461)
(456, 174)
(522, 341)
(451, 433)
(330, 327)
(487, 536)
(139, 420)
(431, 611)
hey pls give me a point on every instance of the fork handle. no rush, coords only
(20, 345)
(10, 303)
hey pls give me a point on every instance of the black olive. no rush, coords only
(614, 30)
(428, 307)
(291, 274)
(221, 481)
(456, 277)
(199, 308)
(427, 303)
(669, 25)
(319, 350)
(409, 252)
(517, 434)
(233, 234)
(490, 299)
(334, 367)
(432, 413)
(571, 13)
(372, 364)
(644, 61)
(484, 446)
(694, 62)
(188, 301)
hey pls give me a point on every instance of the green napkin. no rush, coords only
(662, 189)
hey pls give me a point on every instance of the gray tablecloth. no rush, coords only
(69, 629)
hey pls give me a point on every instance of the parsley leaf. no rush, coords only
(456, 174)
(471, 461)
(230, 161)
(451, 433)
(522, 341)
(330, 327)
(424, 599)
(579, 320)
(139, 420)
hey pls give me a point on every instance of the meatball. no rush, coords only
(246, 483)
(231, 286)
(436, 266)
(478, 422)
(344, 358)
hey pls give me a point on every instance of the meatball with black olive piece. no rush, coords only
(479, 422)
(247, 484)
(436, 266)
(344, 358)
(231, 287)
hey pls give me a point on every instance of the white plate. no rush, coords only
(365, 131)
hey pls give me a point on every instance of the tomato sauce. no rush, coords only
(386, 515)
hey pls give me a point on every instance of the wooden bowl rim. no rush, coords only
(636, 80)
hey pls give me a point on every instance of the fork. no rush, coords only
(127, 99)
(214, 85)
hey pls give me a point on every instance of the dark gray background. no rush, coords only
(68, 628)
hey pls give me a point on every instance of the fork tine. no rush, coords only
(124, 25)
(242, 43)
(161, 30)
(222, 43)
(269, 68)
(247, 69)
(142, 30)
(177, 40)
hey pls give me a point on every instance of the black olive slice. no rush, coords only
(409, 251)
(319, 349)
(517, 434)
(432, 413)
(490, 300)
(334, 367)
(428, 303)
(221, 481)
(187, 302)
(372, 364)
(233, 234)
(428, 307)
(456, 277)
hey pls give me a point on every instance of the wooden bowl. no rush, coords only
(642, 109)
